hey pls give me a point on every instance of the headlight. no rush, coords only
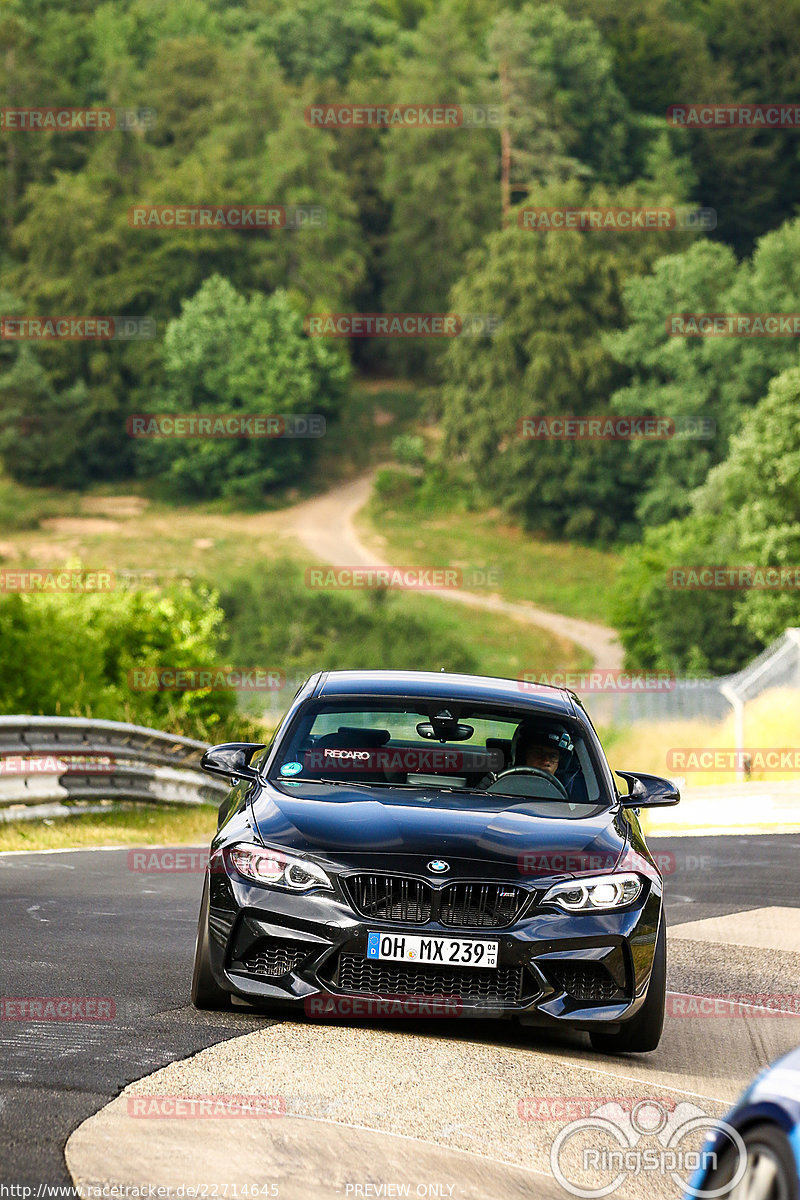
(598, 894)
(274, 869)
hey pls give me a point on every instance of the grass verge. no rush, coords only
(143, 825)
(561, 576)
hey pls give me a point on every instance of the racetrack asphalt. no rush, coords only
(82, 923)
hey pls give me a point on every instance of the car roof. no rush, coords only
(448, 686)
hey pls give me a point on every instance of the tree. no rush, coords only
(441, 183)
(747, 514)
(324, 37)
(564, 116)
(715, 378)
(229, 354)
(556, 294)
(753, 498)
(668, 54)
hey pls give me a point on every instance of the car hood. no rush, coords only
(356, 826)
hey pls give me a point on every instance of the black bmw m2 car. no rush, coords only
(453, 842)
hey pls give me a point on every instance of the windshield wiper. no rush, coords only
(413, 787)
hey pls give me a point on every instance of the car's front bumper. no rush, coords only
(308, 951)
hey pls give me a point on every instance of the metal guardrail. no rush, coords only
(70, 765)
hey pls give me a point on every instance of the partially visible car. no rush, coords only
(765, 1163)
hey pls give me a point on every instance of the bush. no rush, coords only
(227, 354)
(275, 620)
(73, 654)
(409, 449)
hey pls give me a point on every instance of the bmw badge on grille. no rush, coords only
(438, 865)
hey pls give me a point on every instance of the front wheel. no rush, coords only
(768, 1173)
(642, 1032)
(206, 992)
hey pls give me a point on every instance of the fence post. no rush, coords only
(737, 704)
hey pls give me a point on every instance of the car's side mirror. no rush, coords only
(648, 791)
(231, 760)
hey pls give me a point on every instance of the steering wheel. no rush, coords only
(530, 771)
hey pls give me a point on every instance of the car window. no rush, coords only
(386, 745)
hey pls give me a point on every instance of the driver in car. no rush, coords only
(549, 750)
(536, 748)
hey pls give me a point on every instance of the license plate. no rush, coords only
(456, 952)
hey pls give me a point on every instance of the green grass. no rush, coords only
(502, 647)
(145, 825)
(567, 578)
(24, 508)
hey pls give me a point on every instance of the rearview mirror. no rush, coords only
(445, 731)
(648, 791)
(231, 760)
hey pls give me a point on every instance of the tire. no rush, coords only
(765, 1140)
(642, 1032)
(206, 992)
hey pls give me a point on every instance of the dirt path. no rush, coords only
(325, 526)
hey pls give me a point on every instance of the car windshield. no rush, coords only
(457, 748)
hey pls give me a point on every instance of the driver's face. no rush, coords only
(544, 758)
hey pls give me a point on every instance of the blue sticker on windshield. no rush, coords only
(292, 768)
